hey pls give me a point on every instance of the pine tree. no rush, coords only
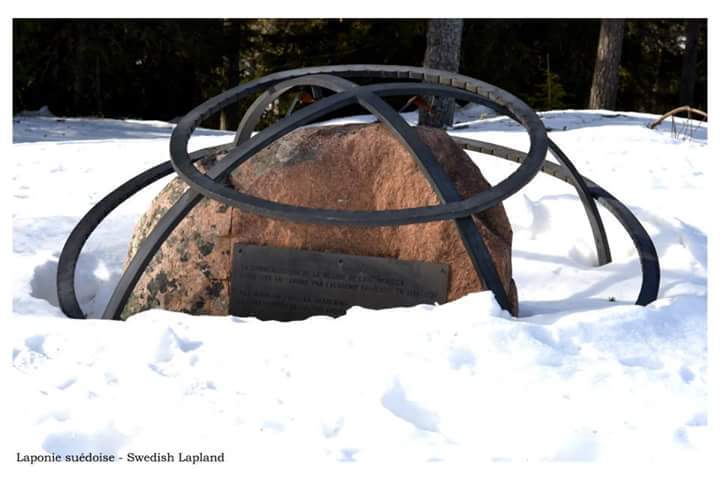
(687, 78)
(607, 64)
(444, 37)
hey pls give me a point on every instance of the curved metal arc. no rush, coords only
(649, 263)
(190, 122)
(337, 84)
(146, 252)
(254, 112)
(179, 140)
(512, 104)
(441, 184)
(485, 90)
(190, 198)
(171, 219)
(602, 245)
(67, 263)
(648, 256)
(258, 206)
(445, 190)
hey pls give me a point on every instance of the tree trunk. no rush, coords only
(98, 88)
(79, 70)
(444, 37)
(607, 64)
(231, 77)
(687, 78)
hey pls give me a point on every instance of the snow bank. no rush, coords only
(582, 374)
(454, 382)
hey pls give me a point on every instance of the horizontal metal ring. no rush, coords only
(649, 263)
(210, 187)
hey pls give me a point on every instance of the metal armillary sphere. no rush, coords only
(406, 81)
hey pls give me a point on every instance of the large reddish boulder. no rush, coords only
(353, 167)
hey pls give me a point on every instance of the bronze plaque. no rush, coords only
(286, 284)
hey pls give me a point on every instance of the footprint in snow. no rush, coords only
(698, 420)
(35, 344)
(110, 378)
(641, 361)
(67, 383)
(331, 430)
(171, 342)
(581, 446)
(460, 357)
(531, 217)
(397, 403)
(686, 374)
(681, 437)
(347, 454)
(57, 415)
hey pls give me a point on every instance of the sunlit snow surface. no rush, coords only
(575, 377)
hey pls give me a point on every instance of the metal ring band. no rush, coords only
(649, 263)
(442, 185)
(184, 206)
(67, 263)
(206, 185)
(337, 84)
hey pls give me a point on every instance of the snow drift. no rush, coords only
(582, 373)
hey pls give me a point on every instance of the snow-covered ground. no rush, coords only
(575, 377)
